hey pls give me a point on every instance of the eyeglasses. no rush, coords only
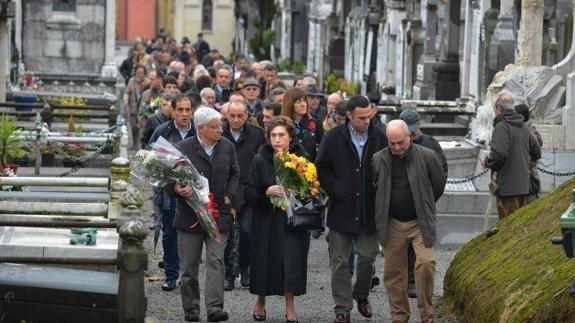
(220, 126)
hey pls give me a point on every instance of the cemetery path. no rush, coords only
(315, 306)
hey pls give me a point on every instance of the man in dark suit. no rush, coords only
(215, 158)
(344, 171)
(247, 138)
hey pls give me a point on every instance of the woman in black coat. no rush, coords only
(308, 131)
(278, 259)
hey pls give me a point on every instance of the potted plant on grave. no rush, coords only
(10, 146)
(48, 153)
(74, 151)
(28, 157)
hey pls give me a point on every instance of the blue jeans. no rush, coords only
(170, 244)
(246, 219)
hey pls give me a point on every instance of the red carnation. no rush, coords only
(311, 125)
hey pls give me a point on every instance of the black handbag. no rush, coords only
(303, 217)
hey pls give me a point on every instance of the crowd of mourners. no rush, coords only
(230, 118)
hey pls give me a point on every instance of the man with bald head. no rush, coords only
(247, 139)
(409, 180)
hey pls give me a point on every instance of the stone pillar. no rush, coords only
(446, 71)
(414, 42)
(179, 19)
(467, 39)
(4, 57)
(569, 113)
(120, 169)
(132, 262)
(424, 88)
(395, 15)
(531, 33)
(503, 43)
(110, 69)
(119, 181)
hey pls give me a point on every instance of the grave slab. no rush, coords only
(42, 242)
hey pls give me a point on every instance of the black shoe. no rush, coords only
(229, 285)
(245, 280)
(374, 282)
(291, 321)
(261, 317)
(341, 318)
(192, 317)
(411, 292)
(169, 285)
(218, 316)
(161, 264)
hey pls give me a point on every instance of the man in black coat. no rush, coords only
(344, 171)
(248, 139)
(174, 130)
(215, 158)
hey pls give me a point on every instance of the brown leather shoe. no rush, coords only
(341, 318)
(364, 308)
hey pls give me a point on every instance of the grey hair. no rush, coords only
(397, 123)
(336, 94)
(206, 89)
(236, 103)
(505, 102)
(204, 115)
(309, 80)
(265, 63)
(224, 67)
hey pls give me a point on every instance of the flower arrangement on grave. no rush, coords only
(165, 165)
(10, 143)
(153, 106)
(298, 177)
(74, 151)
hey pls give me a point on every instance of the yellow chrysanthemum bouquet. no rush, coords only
(298, 177)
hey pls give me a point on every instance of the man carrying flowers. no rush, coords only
(344, 171)
(215, 158)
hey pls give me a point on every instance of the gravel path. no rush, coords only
(315, 306)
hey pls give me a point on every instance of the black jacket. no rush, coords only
(263, 175)
(169, 131)
(512, 148)
(309, 133)
(428, 141)
(347, 181)
(223, 174)
(152, 123)
(250, 140)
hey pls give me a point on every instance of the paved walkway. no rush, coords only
(315, 306)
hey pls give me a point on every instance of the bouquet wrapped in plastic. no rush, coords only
(164, 165)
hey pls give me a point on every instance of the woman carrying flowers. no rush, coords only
(278, 259)
(308, 131)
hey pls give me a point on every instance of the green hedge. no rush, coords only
(516, 275)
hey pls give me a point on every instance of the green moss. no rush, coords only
(516, 275)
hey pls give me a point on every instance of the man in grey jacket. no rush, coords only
(512, 149)
(409, 180)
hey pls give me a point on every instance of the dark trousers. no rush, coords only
(410, 264)
(170, 244)
(246, 224)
